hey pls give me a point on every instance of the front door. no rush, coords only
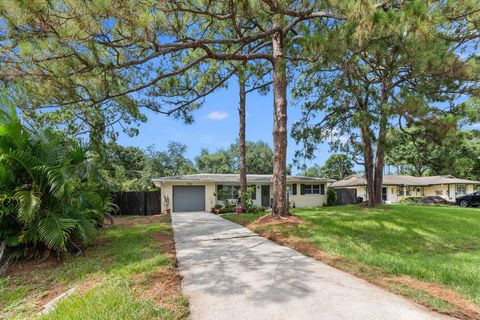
(384, 194)
(265, 196)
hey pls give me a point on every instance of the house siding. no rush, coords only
(447, 191)
(211, 197)
(167, 190)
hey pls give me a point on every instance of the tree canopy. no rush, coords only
(259, 159)
(337, 166)
(381, 69)
(422, 151)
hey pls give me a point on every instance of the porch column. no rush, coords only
(404, 191)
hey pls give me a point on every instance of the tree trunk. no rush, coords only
(241, 136)
(280, 203)
(380, 158)
(382, 135)
(368, 163)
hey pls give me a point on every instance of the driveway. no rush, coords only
(231, 273)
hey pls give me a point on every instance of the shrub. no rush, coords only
(331, 197)
(246, 199)
(50, 195)
(228, 207)
(411, 199)
(255, 209)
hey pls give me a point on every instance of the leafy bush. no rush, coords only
(331, 197)
(50, 195)
(228, 207)
(255, 209)
(411, 199)
(246, 199)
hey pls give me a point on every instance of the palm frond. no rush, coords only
(28, 204)
(55, 231)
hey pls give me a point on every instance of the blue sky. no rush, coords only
(216, 125)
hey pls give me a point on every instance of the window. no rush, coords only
(292, 189)
(461, 189)
(226, 192)
(312, 189)
(401, 190)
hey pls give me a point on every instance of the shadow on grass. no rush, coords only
(437, 244)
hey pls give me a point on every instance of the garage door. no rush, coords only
(189, 198)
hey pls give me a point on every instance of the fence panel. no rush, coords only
(138, 203)
(346, 196)
(152, 203)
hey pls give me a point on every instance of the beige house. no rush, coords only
(200, 192)
(396, 187)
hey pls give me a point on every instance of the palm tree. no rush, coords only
(50, 197)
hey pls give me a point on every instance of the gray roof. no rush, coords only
(213, 177)
(403, 180)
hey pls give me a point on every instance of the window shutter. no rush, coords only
(302, 189)
(322, 189)
(294, 189)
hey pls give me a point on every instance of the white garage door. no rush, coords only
(188, 198)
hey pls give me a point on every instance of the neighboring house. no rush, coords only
(200, 192)
(395, 187)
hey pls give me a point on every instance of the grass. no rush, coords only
(432, 245)
(116, 278)
(243, 219)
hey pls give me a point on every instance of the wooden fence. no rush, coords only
(346, 196)
(138, 203)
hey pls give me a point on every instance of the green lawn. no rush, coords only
(116, 278)
(439, 245)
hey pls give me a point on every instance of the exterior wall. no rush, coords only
(362, 193)
(301, 201)
(447, 191)
(167, 190)
(258, 192)
(308, 200)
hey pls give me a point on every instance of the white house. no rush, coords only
(200, 192)
(396, 187)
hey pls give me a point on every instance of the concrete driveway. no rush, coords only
(231, 273)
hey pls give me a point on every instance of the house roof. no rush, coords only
(213, 177)
(403, 180)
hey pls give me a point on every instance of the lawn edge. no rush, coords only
(385, 282)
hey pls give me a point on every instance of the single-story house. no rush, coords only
(200, 192)
(396, 187)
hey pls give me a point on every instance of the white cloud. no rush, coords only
(217, 115)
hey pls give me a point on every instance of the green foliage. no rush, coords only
(259, 159)
(246, 198)
(114, 300)
(256, 209)
(122, 252)
(50, 194)
(432, 244)
(331, 197)
(228, 207)
(337, 166)
(435, 150)
(132, 169)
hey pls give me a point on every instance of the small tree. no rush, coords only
(331, 197)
